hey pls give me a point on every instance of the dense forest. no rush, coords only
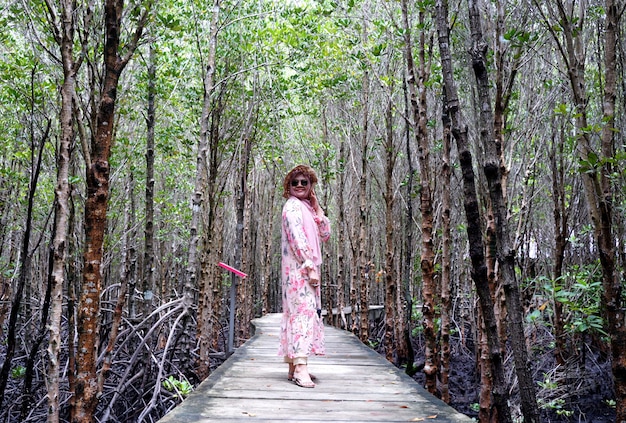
(471, 158)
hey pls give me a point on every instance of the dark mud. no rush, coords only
(579, 391)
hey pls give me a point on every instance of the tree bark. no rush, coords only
(197, 201)
(561, 224)
(64, 36)
(505, 248)
(341, 235)
(241, 235)
(363, 263)
(472, 213)
(390, 274)
(407, 295)
(268, 251)
(446, 266)
(213, 239)
(148, 255)
(417, 91)
(96, 203)
(613, 303)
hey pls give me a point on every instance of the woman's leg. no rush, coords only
(301, 374)
(292, 367)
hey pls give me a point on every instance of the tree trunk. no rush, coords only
(505, 248)
(391, 287)
(417, 91)
(269, 249)
(613, 302)
(25, 265)
(363, 263)
(213, 237)
(407, 296)
(341, 235)
(27, 394)
(197, 201)
(148, 255)
(472, 213)
(561, 218)
(61, 214)
(96, 203)
(241, 238)
(72, 284)
(446, 266)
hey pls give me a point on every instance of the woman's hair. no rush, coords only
(303, 170)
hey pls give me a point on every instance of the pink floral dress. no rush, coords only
(302, 330)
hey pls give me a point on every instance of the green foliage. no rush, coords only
(373, 344)
(182, 387)
(556, 405)
(18, 372)
(579, 290)
(547, 383)
(611, 403)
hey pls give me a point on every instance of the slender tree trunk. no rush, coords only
(34, 352)
(364, 265)
(613, 302)
(504, 89)
(5, 293)
(243, 323)
(474, 230)
(96, 203)
(390, 274)
(216, 285)
(329, 286)
(446, 272)
(27, 397)
(197, 201)
(72, 283)
(214, 234)
(408, 257)
(62, 212)
(561, 217)
(341, 235)
(485, 399)
(269, 248)
(25, 262)
(148, 257)
(417, 91)
(505, 247)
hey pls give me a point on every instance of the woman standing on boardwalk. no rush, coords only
(304, 225)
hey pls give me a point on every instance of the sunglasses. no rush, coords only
(295, 182)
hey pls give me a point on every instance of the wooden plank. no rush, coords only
(355, 384)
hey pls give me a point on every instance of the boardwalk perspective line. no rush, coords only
(354, 384)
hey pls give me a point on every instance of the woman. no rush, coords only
(304, 225)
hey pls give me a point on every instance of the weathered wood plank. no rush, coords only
(355, 384)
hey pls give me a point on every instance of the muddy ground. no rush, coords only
(580, 391)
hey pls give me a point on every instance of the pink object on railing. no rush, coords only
(232, 269)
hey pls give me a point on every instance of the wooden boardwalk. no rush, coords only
(354, 384)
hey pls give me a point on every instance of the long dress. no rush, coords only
(302, 328)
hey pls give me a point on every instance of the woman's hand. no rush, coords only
(314, 278)
(315, 204)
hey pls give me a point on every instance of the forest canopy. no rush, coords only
(471, 158)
